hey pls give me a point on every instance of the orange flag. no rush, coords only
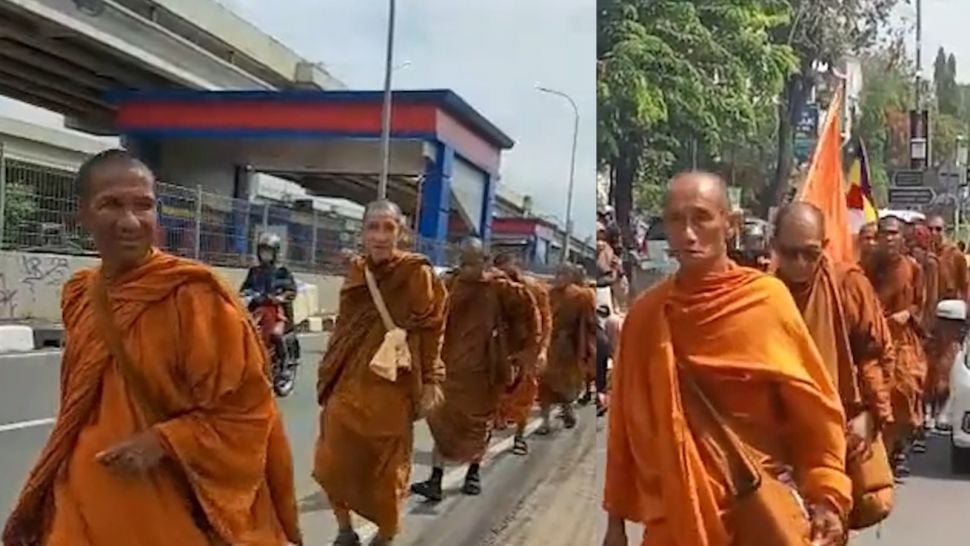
(824, 186)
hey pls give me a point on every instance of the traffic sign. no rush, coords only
(908, 178)
(911, 196)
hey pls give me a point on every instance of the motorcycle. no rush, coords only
(282, 346)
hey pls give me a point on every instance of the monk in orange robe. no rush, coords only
(898, 280)
(572, 346)
(866, 241)
(954, 280)
(363, 453)
(844, 316)
(516, 405)
(168, 432)
(492, 332)
(735, 335)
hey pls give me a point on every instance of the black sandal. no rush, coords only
(519, 446)
(473, 484)
(347, 537)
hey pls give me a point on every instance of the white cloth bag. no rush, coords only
(394, 352)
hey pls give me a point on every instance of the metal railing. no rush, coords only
(39, 213)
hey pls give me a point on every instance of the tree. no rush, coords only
(821, 32)
(677, 80)
(945, 84)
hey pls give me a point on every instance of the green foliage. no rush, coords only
(675, 72)
(20, 207)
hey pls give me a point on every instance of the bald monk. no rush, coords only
(363, 454)
(167, 431)
(516, 405)
(954, 280)
(572, 346)
(845, 319)
(866, 241)
(734, 334)
(492, 333)
(898, 280)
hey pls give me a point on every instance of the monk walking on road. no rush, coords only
(722, 407)
(898, 280)
(492, 334)
(516, 405)
(572, 346)
(363, 454)
(167, 431)
(845, 319)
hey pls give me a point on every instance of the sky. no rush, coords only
(491, 52)
(945, 24)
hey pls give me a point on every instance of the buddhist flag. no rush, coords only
(824, 186)
(859, 198)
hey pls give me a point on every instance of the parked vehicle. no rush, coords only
(958, 411)
(280, 341)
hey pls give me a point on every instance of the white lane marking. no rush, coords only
(452, 478)
(26, 424)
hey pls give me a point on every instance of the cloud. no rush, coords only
(492, 53)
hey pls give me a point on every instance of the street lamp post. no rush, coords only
(572, 170)
(386, 110)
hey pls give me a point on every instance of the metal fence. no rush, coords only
(39, 213)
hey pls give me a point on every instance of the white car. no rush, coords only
(958, 407)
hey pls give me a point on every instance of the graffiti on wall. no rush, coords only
(33, 276)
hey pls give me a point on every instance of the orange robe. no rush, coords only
(844, 316)
(492, 324)
(953, 273)
(747, 347)
(363, 453)
(516, 405)
(572, 345)
(900, 287)
(203, 365)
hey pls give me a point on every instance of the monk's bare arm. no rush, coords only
(545, 314)
(429, 299)
(919, 294)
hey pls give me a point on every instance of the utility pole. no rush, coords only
(572, 169)
(386, 110)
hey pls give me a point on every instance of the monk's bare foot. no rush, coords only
(347, 537)
(473, 482)
(568, 417)
(430, 490)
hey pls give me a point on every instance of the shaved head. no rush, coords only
(697, 221)
(472, 259)
(890, 236)
(799, 241)
(800, 215)
(704, 183)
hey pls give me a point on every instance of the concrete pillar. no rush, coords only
(436, 203)
(489, 188)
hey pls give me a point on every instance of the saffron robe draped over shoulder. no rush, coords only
(515, 406)
(954, 276)
(491, 324)
(742, 338)
(363, 453)
(899, 285)
(843, 315)
(204, 368)
(572, 345)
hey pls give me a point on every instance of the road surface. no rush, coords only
(932, 506)
(514, 488)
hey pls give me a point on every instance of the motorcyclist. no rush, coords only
(269, 279)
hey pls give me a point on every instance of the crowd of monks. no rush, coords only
(168, 432)
(773, 408)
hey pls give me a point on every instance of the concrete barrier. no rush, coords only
(30, 285)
